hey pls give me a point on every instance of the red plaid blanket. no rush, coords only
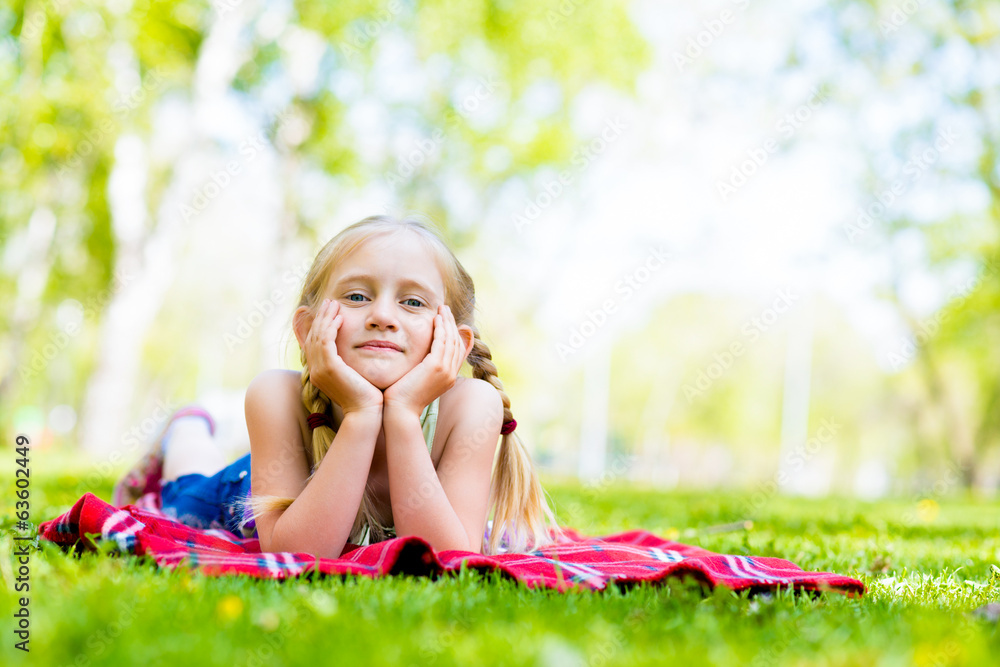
(587, 562)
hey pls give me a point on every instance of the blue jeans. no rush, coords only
(206, 502)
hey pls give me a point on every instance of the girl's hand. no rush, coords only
(329, 372)
(436, 374)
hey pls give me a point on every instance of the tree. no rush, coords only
(87, 81)
(934, 67)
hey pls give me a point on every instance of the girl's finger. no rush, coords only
(319, 317)
(328, 314)
(439, 331)
(440, 338)
(453, 338)
(452, 329)
(459, 349)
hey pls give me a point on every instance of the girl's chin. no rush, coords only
(380, 384)
(379, 378)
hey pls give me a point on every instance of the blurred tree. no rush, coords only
(85, 81)
(73, 84)
(932, 198)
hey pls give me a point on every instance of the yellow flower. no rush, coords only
(229, 608)
(928, 509)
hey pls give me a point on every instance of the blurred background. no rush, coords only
(730, 244)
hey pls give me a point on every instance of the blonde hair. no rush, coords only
(522, 516)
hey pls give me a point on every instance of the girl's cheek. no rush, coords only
(427, 336)
(346, 325)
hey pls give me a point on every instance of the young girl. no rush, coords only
(378, 436)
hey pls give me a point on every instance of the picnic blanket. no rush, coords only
(582, 562)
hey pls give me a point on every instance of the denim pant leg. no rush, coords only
(236, 489)
(206, 502)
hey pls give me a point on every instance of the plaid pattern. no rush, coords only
(582, 562)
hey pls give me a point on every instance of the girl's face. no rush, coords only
(389, 289)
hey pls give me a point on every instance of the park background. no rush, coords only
(740, 244)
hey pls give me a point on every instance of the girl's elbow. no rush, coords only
(468, 545)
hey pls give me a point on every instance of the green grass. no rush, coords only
(927, 567)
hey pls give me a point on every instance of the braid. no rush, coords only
(483, 368)
(322, 437)
(315, 401)
(516, 495)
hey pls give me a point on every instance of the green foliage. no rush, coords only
(78, 76)
(909, 46)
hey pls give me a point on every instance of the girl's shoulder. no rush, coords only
(465, 387)
(467, 397)
(279, 382)
(468, 389)
(278, 391)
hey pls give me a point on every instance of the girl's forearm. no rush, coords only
(319, 522)
(419, 504)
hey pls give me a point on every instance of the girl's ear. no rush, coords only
(301, 323)
(468, 338)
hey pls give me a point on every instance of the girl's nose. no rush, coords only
(382, 314)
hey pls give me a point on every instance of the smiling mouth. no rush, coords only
(378, 348)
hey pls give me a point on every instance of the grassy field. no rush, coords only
(928, 564)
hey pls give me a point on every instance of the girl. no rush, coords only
(378, 436)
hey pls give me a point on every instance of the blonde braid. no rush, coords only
(316, 401)
(322, 437)
(516, 495)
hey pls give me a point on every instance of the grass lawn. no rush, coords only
(928, 564)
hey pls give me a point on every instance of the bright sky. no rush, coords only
(656, 181)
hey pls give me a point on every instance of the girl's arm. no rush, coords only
(448, 506)
(320, 519)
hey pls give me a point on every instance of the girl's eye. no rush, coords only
(416, 301)
(355, 294)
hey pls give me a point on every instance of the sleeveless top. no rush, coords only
(428, 424)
